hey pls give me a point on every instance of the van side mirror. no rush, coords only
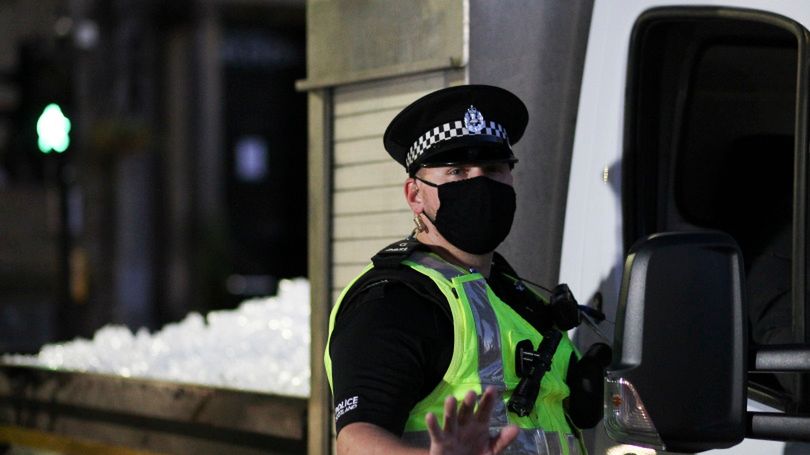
(678, 379)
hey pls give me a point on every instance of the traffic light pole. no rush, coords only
(56, 174)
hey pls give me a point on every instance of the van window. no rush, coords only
(711, 143)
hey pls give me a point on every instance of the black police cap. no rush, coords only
(461, 124)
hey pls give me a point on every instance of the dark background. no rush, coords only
(184, 186)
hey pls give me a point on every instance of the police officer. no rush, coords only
(439, 344)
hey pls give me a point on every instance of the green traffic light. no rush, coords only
(53, 128)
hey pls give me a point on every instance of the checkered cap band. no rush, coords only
(449, 131)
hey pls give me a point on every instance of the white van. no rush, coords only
(693, 116)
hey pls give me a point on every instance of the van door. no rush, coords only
(715, 139)
(711, 133)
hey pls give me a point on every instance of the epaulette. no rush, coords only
(500, 264)
(391, 256)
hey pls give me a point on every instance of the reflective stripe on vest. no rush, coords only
(490, 365)
(528, 441)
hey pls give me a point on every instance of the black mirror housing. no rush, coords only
(681, 340)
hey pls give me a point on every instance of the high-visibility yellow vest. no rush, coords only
(486, 332)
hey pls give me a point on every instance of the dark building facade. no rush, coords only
(183, 187)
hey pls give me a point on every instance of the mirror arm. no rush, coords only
(778, 427)
(781, 358)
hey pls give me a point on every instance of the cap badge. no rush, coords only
(473, 120)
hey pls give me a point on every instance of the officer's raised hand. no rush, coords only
(466, 430)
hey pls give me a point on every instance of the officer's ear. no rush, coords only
(413, 195)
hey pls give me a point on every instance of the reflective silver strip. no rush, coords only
(432, 262)
(542, 442)
(528, 441)
(490, 357)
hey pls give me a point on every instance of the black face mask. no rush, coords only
(474, 214)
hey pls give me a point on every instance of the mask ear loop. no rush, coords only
(425, 182)
(416, 216)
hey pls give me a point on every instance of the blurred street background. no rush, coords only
(183, 184)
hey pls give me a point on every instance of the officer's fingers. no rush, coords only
(433, 428)
(486, 404)
(450, 415)
(466, 408)
(505, 437)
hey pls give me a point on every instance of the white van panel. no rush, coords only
(592, 238)
(592, 257)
